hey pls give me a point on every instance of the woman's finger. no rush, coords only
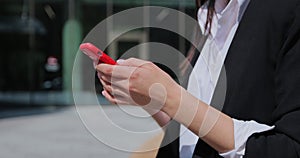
(132, 62)
(114, 100)
(114, 91)
(122, 84)
(117, 88)
(116, 71)
(109, 97)
(106, 85)
(107, 78)
(104, 82)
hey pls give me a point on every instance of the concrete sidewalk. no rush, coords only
(62, 134)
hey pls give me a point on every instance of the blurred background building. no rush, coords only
(39, 40)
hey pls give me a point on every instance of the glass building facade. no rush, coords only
(39, 39)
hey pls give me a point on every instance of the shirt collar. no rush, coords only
(233, 11)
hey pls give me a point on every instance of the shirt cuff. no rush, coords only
(242, 131)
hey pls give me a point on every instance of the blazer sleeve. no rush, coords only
(284, 140)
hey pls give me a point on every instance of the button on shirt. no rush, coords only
(204, 77)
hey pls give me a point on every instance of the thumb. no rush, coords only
(134, 62)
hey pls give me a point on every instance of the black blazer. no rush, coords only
(263, 81)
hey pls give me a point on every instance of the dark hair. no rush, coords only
(192, 53)
(210, 13)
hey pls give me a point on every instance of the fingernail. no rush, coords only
(103, 93)
(120, 61)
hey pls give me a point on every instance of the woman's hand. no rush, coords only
(137, 82)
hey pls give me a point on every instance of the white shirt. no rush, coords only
(204, 77)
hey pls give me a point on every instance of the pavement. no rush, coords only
(48, 133)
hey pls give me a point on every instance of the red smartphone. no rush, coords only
(96, 54)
